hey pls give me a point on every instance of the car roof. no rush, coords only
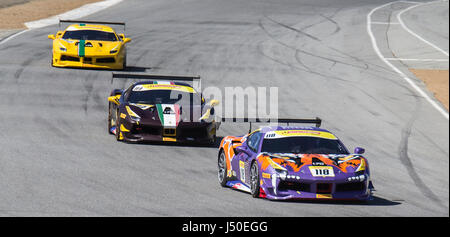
(89, 27)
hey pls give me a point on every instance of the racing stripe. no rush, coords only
(177, 113)
(160, 113)
(169, 120)
(81, 48)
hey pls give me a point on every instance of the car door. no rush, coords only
(245, 158)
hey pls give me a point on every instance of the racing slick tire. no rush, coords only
(124, 66)
(254, 180)
(109, 120)
(222, 172)
(118, 129)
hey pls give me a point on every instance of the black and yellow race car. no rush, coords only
(161, 108)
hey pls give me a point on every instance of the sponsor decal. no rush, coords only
(324, 196)
(147, 87)
(242, 170)
(321, 171)
(266, 175)
(169, 139)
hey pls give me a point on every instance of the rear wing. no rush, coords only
(154, 77)
(317, 121)
(92, 22)
(195, 80)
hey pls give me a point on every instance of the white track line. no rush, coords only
(417, 59)
(385, 23)
(403, 75)
(84, 10)
(4, 40)
(399, 18)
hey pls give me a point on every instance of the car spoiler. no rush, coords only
(317, 121)
(93, 22)
(155, 77)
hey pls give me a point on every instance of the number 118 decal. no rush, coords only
(324, 171)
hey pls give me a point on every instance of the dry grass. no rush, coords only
(13, 17)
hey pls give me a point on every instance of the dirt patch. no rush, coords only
(8, 3)
(13, 17)
(436, 81)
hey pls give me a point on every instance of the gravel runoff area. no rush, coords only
(436, 81)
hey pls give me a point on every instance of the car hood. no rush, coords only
(168, 115)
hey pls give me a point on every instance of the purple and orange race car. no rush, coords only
(292, 162)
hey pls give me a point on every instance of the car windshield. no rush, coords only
(163, 97)
(90, 35)
(303, 145)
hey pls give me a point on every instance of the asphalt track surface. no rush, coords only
(57, 159)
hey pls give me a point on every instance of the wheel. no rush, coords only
(118, 138)
(213, 141)
(222, 173)
(254, 180)
(124, 63)
(110, 120)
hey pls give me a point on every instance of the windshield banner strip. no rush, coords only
(299, 133)
(160, 113)
(147, 87)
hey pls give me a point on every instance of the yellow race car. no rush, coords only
(89, 44)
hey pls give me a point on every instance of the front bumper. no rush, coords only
(91, 61)
(198, 132)
(317, 189)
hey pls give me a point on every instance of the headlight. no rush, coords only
(358, 178)
(281, 173)
(133, 115)
(114, 50)
(62, 47)
(136, 119)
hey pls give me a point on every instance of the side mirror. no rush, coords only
(213, 103)
(359, 150)
(51, 37)
(126, 40)
(114, 99)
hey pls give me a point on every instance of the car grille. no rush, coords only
(69, 58)
(151, 130)
(193, 133)
(285, 186)
(358, 186)
(105, 60)
(324, 188)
